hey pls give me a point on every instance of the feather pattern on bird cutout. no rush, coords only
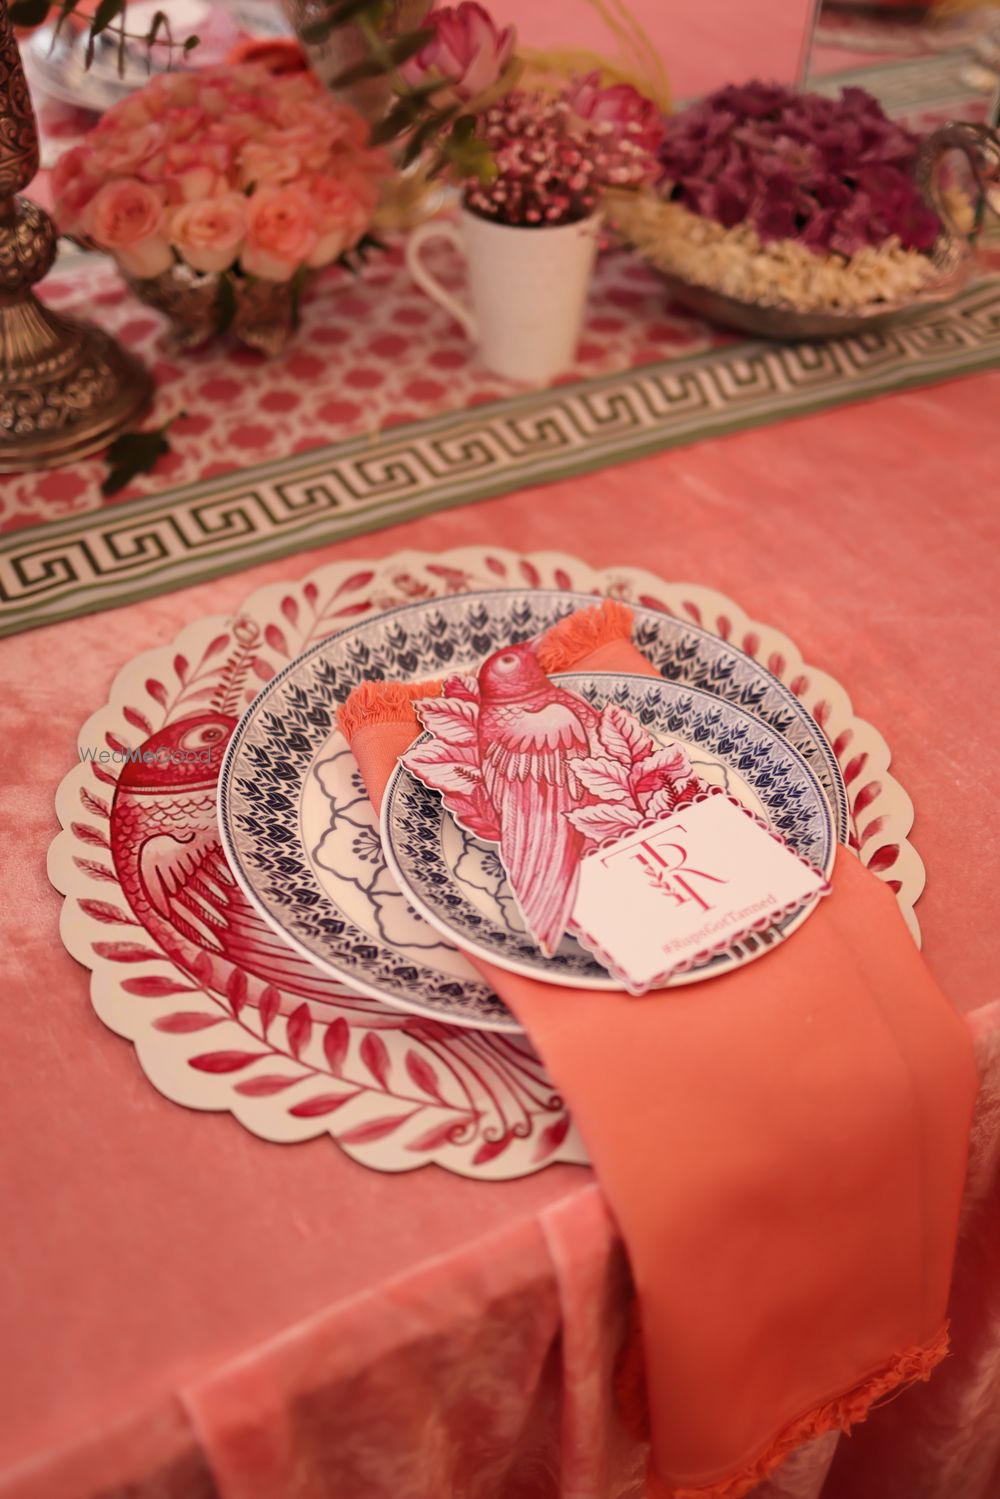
(502, 758)
(524, 763)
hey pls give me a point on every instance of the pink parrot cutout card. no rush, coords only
(602, 832)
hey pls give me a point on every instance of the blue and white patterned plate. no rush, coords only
(303, 841)
(457, 883)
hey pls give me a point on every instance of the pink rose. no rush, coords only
(132, 113)
(619, 110)
(72, 187)
(184, 123)
(209, 235)
(188, 170)
(122, 152)
(172, 91)
(467, 50)
(125, 216)
(322, 117)
(342, 215)
(196, 183)
(374, 162)
(270, 162)
(364, 189)
(282, 233)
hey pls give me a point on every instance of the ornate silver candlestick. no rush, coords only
(66, 388)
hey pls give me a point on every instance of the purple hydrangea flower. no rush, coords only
(836, 174)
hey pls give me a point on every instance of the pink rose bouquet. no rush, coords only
(232, 172)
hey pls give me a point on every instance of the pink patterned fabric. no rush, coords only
(174, 1253)
(371, 354)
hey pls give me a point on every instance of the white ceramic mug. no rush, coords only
(528, 289)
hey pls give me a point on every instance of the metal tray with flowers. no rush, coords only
(737, 254)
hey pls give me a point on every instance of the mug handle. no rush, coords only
(422, 235)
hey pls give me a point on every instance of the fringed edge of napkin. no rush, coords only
(566, 643)
(563, 646)
(913, 1366)
(382, 702)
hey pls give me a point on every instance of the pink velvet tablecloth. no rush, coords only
(187, 1311)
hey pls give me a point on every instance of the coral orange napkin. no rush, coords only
(783, 1149)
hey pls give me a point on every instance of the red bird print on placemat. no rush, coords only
(169, 859)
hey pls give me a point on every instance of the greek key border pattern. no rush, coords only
(101, 559)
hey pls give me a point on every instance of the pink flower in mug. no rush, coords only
(467, 50)
(73, 186)
(342, 216)
(282, 233)
(618, 110)
(209, 235)
(125, 216)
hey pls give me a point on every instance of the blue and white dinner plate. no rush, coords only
(303, 841)
(457, 883)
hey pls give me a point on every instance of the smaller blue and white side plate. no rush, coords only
(458, 885)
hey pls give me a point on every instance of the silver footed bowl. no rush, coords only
(953, 258)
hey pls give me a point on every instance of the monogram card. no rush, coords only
(677, 890)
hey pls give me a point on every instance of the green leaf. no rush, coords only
(435, 124)
(390, 56)
(136, 453)
(467, 153)
(369, 67)
(342, 12)
(424, 90)
(401, 117)
(29, 12)
(403, 47)
(106, 12)
(157, 24)
(226, 303)
(357, 257)
(295, 300)
(131, 454)
(336, 16)
(371, 242)
(464, 129)
(65, 11)
(315, 33)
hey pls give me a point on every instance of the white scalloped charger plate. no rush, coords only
(393, 1091)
